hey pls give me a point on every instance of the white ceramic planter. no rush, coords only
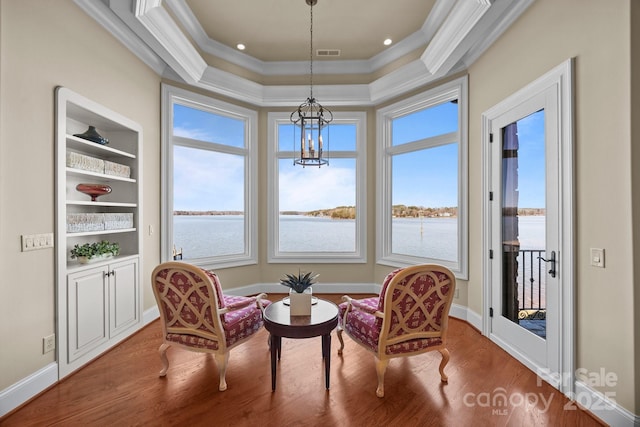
(85, 260)
(300, 303)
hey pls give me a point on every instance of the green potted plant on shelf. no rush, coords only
(300, 293)
(91, 252)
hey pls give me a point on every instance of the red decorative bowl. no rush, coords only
(94, 190)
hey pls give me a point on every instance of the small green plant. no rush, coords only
(90, 250)
(300, 282)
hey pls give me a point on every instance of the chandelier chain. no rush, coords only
(311, 54)
(313, 119)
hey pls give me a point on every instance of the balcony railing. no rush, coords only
(531, 280)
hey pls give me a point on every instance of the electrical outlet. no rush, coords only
(32, 242)
(48, 343)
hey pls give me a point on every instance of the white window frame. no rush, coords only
(456, 89)
(359, 255)
(172, 95)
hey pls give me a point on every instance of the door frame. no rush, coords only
(561, 79)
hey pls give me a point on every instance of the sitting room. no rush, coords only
(313, 212)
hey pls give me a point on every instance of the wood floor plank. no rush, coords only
(122, 387)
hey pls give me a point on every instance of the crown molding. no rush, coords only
(228, 84)
(274, 68)
(104, 16)
(409, 77)
(402, 80)
(151, 22)
(456, 31)
(192, 26)
(503, 15)
(446, 47)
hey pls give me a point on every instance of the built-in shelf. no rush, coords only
(99, 203)
(100, 303)
(100, 232)
(89, 147)
(102, 176)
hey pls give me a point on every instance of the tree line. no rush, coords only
(349, 212)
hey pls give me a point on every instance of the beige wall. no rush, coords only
(46, 44)
(597, 34)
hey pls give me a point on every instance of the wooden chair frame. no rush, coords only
(203, 327)
(381, 355)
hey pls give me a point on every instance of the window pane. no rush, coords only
(208, 196)
(205, 126)
(425, 203)
(286, 140)
(437, 120)
(317, 207)
(341, 137)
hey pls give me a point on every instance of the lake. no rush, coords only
(211, 235)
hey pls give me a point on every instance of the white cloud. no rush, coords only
(193, 133)
(208, 180)
(310, 188)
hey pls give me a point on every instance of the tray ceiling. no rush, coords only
(188, 40)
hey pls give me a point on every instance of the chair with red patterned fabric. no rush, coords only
(409, 317)
(197, 316)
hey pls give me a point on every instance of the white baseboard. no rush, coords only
(464, 313)
(320, 288)
(150, 315)
(153, 313)
(603, 407)
(26, 388)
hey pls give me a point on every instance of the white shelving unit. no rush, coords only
(98, 304)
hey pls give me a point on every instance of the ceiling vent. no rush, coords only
(328, 52)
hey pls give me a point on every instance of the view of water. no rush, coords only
(210, 235)
(202, 236)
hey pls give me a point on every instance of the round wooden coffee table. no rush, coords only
(279, 323)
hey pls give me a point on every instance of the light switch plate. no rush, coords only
(32, 242)
(597, 257)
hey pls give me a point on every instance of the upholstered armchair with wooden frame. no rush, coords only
(197, 316)
(409, 317)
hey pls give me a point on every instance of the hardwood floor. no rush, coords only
(122, 388)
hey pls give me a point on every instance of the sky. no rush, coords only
(206, 180)
(428, 177)
(531, 162)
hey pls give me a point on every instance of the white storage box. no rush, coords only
(84, 162)
(116, 169)
(116, 221)
(82, 222)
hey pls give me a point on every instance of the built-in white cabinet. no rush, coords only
(103, 301)
(100, 303)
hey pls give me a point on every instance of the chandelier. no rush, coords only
(312, 119)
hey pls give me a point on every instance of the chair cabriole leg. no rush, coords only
(221, 361)
(445, 359)
(381, 367)
(340, 339)
(163, 357)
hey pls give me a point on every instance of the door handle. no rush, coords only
(552, 260)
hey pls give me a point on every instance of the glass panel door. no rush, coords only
(523, 219)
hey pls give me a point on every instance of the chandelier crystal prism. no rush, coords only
(311, 120)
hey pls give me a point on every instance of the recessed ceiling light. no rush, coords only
(240, 46)
(387, 42)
